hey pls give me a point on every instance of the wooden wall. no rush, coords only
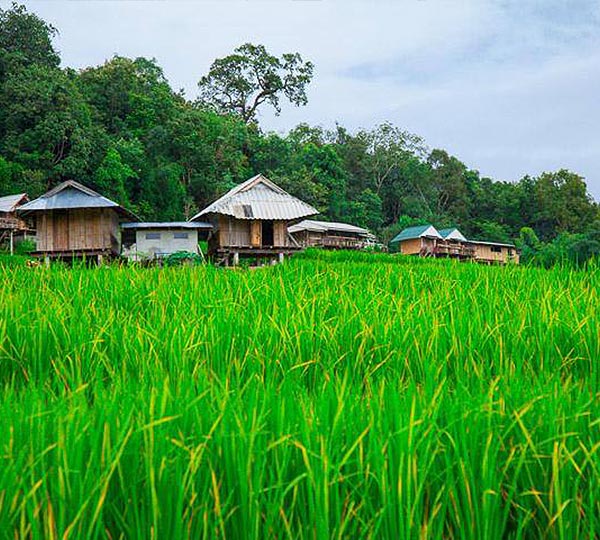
(410, 247)
(88, 229)
(248, 233)
(484, 252)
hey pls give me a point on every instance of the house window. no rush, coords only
(180, 236)
(496, 249)
(152, 236)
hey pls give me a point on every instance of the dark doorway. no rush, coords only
(267, 233)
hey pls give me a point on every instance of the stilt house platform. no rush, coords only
(251, 221)
(73, 221)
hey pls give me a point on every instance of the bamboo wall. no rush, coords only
(87, 229)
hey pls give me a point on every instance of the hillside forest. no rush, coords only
(121, 129)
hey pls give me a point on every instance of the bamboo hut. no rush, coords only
(12, 226)
(331, 235)
(74, 221)
(252, 220)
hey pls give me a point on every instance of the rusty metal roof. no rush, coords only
(9, 203)
(70, 195)
(259, 198)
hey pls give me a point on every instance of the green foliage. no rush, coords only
(182, 257)
(241, 82)
(25, 39)
(566, 249)
(335, 396)
(112, 176)
(25, 246)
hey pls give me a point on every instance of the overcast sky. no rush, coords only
(509, 87)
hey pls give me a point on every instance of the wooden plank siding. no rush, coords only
(411, 247)
(93, 229)
(280, 238)
(500, 254)
(244, 233)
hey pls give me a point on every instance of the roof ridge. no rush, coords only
(74, 184)
(220, 205)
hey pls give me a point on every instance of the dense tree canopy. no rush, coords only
(241, 82)
(119, 127)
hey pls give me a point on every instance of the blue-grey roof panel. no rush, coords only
(167, 225)
(71, 195)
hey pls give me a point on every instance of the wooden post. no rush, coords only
(46, 261)
(12, 243)
(281, 258)
(236, 258)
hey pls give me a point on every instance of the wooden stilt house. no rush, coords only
(331, 235)
(252, 220)
(12, 226)
(74, 221)
(454, 244)
(427, 241)
(419, 240)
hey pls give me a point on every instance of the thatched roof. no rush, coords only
(259, 198)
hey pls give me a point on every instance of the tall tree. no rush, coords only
(25, 39)
(241, 82)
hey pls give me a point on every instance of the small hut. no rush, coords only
(252, 220)
(74, 221)
(494, 252)
(331, 235)
(11, 225)
(420, 240)
(143, 241)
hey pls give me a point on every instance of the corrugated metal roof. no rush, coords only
(452, 234)
(259, 198)
(324, 226)
(9, 203)
(167, 225)
(418, 231)
(70, 195)
(484, 243)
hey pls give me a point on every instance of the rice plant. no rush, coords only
(334, 396)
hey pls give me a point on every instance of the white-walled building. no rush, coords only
(143, 241)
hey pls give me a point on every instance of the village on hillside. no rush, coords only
(255, 220)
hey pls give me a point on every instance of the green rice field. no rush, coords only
(335, 396)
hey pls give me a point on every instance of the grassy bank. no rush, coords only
(331, 397)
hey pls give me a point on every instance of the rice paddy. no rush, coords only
(334, 396)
